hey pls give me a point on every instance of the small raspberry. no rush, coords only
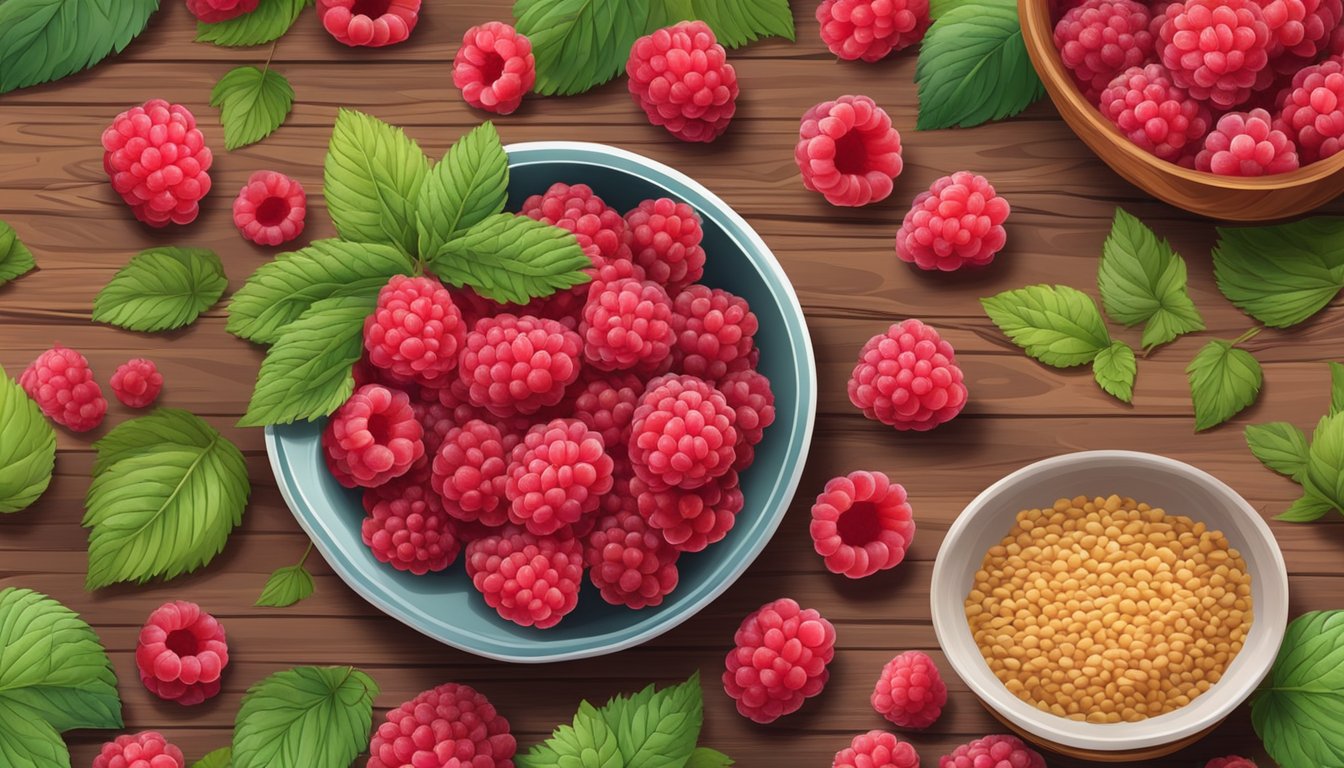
(910, 692)
(63, 385)
(871, 29)
(181, 653)
(1313, 114)
(557, 474)
(848, 151)
(408, 528)
(215, 11)
(449, 726)
(470, 472)
(862, 524)
(1156, 115)
(957, 223)
(157, 160)
(908, 378)
(531, 580)
(416, 331)
(607, 406)
(270, 209)
(629, 562)
(137, 383)
(681, 78)
(369, 23)
(997, 751)
(664, 237)
(749, 395)
(1102, 38)
(627, 324)
(779, 660)
(1231, 761)
(1215, 49)
(147, 749)
(373, 437)
(877, 749)
(691, 520)
(714, 331)
(1247, 144)
(682, 434)
(495, 67)
(519, 364)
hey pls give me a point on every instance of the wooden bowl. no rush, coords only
(1264, 198)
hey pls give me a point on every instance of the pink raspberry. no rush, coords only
(779, 660)
(495, 67)
(557, 474)
(910, 692)
(957, 223)
(682, 434)
(715, 330)
(408, 528)
(373, 437)
(1247, 144)
(1231, 761)
(137, 383)
(749, 395)
(158, 162)
(862, 524)
(369, 23)
(599, 228)
(848, 151)
(691, 520)
(877, 749)
(519, 364)
(629, 562)
(62, 384)
(681, 78)
(871, 29)
(908, 378)
(664, 237)
(1102, 38)
(215, 11)
(1299, 30)
(436, 421)
(470, 472)
(530, 580)
(997, 751)
(1215, 49)
(627, 324)
(147, 749)
(1156, 115)
(1313, 114)
(451, 725)
(270, 209)
(607, 406)
(181, 653)
(416, 331)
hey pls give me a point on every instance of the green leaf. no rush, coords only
(735, 22)
(27, 741)
(220, 758)
(658, 729)
(939, 8)
(1142, 280)
(161, 289)
(1325, 461)
(1336, 388)
(306, 717)
(588, 743)
(1114, 369)
(1281, 274)
(467, 186)
(282, 290)
(307, 374)
(973, 67)
(513, 259)
(15, 258)
(580, 44)
(1058, 325)
(704, 757)
(1280, 446)
(286, 587)
(164, 428)
(1223, 381)
(28, 450)
(1307, 508)
(252, 104)
(268, 22)
(163, 509)
(45, 40)
(1298, 709)
(373, 173)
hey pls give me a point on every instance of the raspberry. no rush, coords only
(557, 474)
(373, 437)
(627, 324)
(181, 653)
(997, 751)
(137, 383)
(629, 562)
(531, 580)
(147, 749)
(691, 520)
(408, 528)
(848, 151)
(416, 331)
(871, 29)
(369, 23)
(681, 78)
(876, 749)
(910, 692)
(1102, 38)
(607, 406)
(1231, 761)
(157, 161)
(451, 725)
(908, 378)
(215, 11)
(664, 237)
(62, 383)
(469, 472)
(714, 330)
(1215, 49)
(682, 434)
(957, 223)
(1156, 115)
(1247, 144)
(862, 524)
(519, 364)
(1299, 30)
(495, 67)
(779, 661)
(436, 421)
(600, 230)
(749, 395)
(1313, 114)
(271, 209)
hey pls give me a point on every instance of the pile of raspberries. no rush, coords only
(1231, 87)
(596, 432)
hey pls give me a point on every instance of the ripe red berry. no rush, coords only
(779, 660)
(681, 78)
(147, 749)
(1157, 115)
(690, 520)
(62, 384)
(416, 331)
(157, 161)
(627, 324)
(530, 580)
(877, 749)
(996, 751)
(372, 438)
(181, 653)
(271, 208)
(407, 526)
(862, 524)
(495, 67)
(1215, 49)
(470, 471)
(749, 395)
(629, 562)
(1313, 113)
(215, 11)
(137, 383)
(449, 726)
(848, 151)
(1102, 38)
(607, 405)
(1230, 761)
(519, 365)
(910, 692)
(557, 474)
(871, 29)
(1247, 144)
(682, 434)
(369, 23)
(664, 237)
(908, 378)
(715, 332)
(957, 223)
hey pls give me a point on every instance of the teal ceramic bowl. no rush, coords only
(444, 605)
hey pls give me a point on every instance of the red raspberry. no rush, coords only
(137, 383)
(598, 227)
(691, 520)
(1299, 30)
(1156, 115)
(157, 161)
(1102, 38)
(408, 528)
(957, 223)
(270, 209)
(871, 29)
(215, 11)
(63, 385)
(369, 23)
(607, 406)
(908, 378)
(627, 324)
(862, 524)
(664, 237)
(629, 562)
(373, 437)
(749, 395)
(519, 364)
(1231, 761)
(780, 660)
(436, 421)
(451, 725)
(910, 692)
(682, 434)
(1247, 144)
(495, 67)
(557, 474)
(1313, 114)
(416, 331)
(147, 749)
(681, 78)
(877, 749)
(531, 580)
(997, 751)
(470, 471)
(1215, 49)
(181, 653)
(848, 151)
(715, 330)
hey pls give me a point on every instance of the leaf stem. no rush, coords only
(267, 66)
(1248, 335)
(306, 553)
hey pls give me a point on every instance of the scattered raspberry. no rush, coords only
(1156, 115)
(557, 474)
(877, 749)
(607, 406)
(681, 78)
(1102, 38)
(270, 209)
(848, 151)
(1231, 761)
(908, 378)
(408, 528)
(910, 692)
(749, 395)
(416, 331)
(1313, 114)
(158, 162)
(215, 11)
(714, 330)
(780, 660)
(997, 751)
(871, 29)
(664, 237)
(1247, 144)
(957, 223)
(495, 67)
(373, 437)
(682, 434)
(627, 324)
(62, 383)
(451, 725)
(519, 364)
(629, 562)
(1215, 49)
(470, 471)
(137, 383)
(531, 580)
(369, 23)
(147, 749)
(862, 524)
(691, 520)
(181, 653)
(599, 228)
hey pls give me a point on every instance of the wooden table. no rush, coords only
(54, 191)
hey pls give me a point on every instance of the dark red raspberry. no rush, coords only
(408, 528)
(62, 384)
(137, 383)
(416, 331)
(908, 378)
(436, 421)
(910, 692)
(627, 324)
(495, 67)
(1313, 113)
(1247, 144)
(1215, 49)
(271, 208)
(749, 395)
(373, 437)
(957, 223)
(369, 23)
(871, 29)
(557, 474)
(519, 364)
(181, 653)
(877, 749)
(599, 228)
(682, 434)
(451, 726)
(1102, 38)
(147, 749)
(365, 372)
(1299, 30)
(691, 520)
(629, 562)
(158, 162)
(530, 580)
(607, 406)
(470, 471)
(861, 524)
(848, 151)
(1158, 116)
(664, 237)
(714, 331)
(215, 11)
(997, 751)
(780, 660)
(681, 78)
(1231, 761)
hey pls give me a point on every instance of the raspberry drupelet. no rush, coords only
(629, 562)
(714, 330)
(1215, 49)
(910, 692)
(557, 474)
(871, 29)
(181, 653)
(1299, 30)
(215, 11)
(908, 378)
(408, 528)
(470, 471)
(627, 325)
(607, 405)
(530, 580)
(519, 364)
(451, 725)
(1247, 144)
(749, 395)
(996, 751)
(416, 331)
(62, 384)
(270, 209)
(1231, 761)
(495, 67)
(848, 151)
(957, 223)
(369, 23)
(682, 434)
(158, 162)
(861, 524)
(876, 749)
(664, 237)
(1102, 38)
(137, 383)
(372, 438)
(1313, 113)
(147, 749)
(779, 660)
(1157, 115)
(691, 520)
(681, 78)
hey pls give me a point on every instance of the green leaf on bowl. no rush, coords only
(1223, 381)
(1281, 274)
(470, 184)
(161, 289)
(1058, 325)
(1114, 370)
(305, 717)
(373, 175)
(1298, 710)
(513, 259)
(45, 40)
(1142, 280)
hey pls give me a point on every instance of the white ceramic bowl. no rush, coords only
(1176, 487)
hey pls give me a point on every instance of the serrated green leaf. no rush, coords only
(1114, 370)
(27, 741)
(579, 44)
(267, 23)
(658, 729)
(470, 184)
(306, 717)
(1223, 381)
(735, 22)
(1307, 508)
(704, 757)
(373, 174)
(1142, 280)
(1336, 388)
(220, 758)
(939, 8)
(1298, 709)
(15, 258)
(1280, 446)
(286, 587)
(307, 374)
(587, 743)
(28, 450)
(513, 259)
(252, 104)
(165, 509)
(1281, 274)
(973, 67)
(1058, 325)
(1325, 461)
(164, 428)
(161, 289)
(45, 40)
